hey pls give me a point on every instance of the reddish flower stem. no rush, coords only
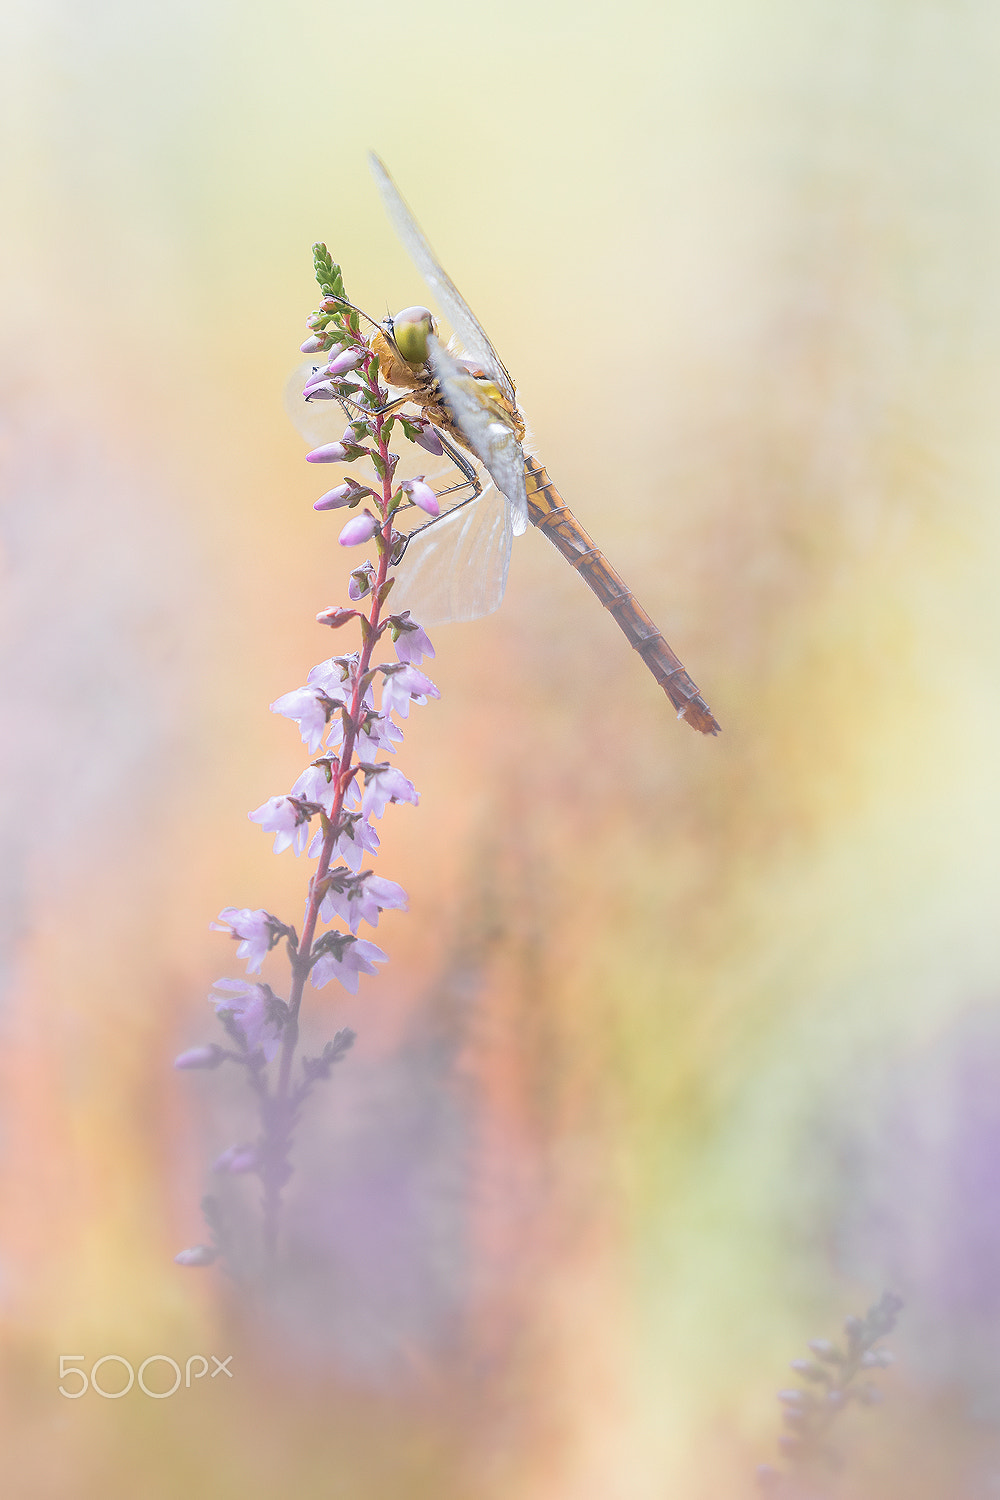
(276, 1110)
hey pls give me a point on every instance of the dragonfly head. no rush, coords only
(409, 331)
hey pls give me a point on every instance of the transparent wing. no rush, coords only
(317, 421)
(460, 315)
(492, 441)
(457, 568)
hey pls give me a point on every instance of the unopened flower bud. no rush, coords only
(361, 581)
(421, 494)
(349, 360)
(196, 1255)
(200, 1057)
(318, 377)
(359, 529)
(329, 453)
(428, 438)
(237, 1159)
(334, 617)
(347, 493)
(314, 344)
(827, 1351)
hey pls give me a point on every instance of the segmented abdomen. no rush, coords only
(547, 511)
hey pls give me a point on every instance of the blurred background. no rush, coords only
(686, 1048)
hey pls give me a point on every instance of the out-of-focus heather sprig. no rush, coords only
(330, 810)
(836, 1377)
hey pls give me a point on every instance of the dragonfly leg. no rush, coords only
(391, 406)
(351, 409)
(397, 556)
(464, 466)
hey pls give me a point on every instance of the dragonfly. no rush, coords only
(456, 566)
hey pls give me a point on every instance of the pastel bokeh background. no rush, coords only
(686, 1049)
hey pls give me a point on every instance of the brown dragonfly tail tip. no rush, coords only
(698, 714)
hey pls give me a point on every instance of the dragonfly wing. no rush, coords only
(460, 315)
(457, 568)
(317, 421)
(493, 442)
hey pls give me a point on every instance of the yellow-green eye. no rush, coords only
(409, 331)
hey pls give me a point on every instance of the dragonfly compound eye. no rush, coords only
(410, 330)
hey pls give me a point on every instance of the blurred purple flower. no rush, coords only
(357, 838)
(254, 928)
(197, 1255)
(237, 1159)
(286, 819)
(402, 684)
(356, 957)
(357, 898)
(310, 708)
(384, 784)
(200, 1057)
(410, 639)
(257, 1011)
(316, 785)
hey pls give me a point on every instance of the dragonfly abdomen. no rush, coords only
(550, 514)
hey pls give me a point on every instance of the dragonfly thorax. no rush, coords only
(394, 346)
(405, 349)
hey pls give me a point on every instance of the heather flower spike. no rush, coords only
(329, 811)
(831, 1384)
